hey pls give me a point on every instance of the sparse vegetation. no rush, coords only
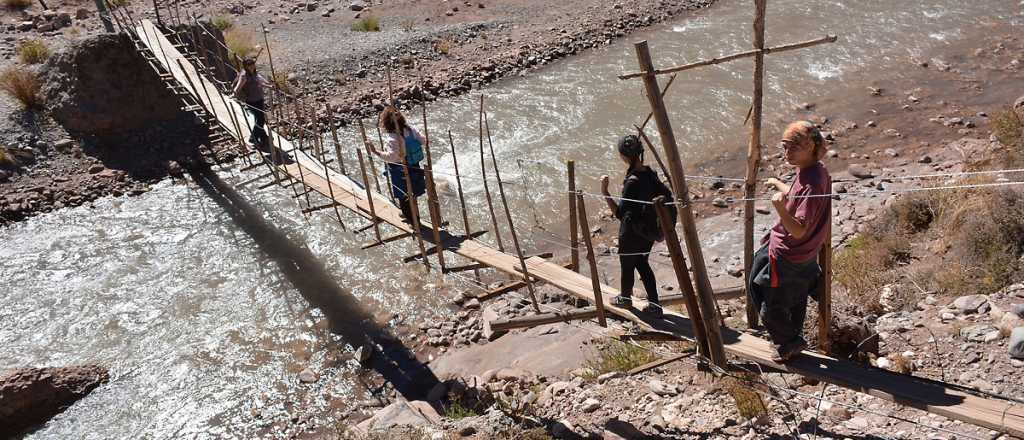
(222, 23)
(443, 46)
(1009, 129)
(33, 51)
(617, 356)
(120, 3)
(22, 84)
(748, 402)
(240, 43)
(281, 82)
(17, 4)
(408, 24)
(368, 23)
(455, 409)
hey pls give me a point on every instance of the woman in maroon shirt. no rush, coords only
(785, 270)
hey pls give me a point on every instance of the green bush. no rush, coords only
(33, 51)
(222, 23)
(368, 23)
(617, 356)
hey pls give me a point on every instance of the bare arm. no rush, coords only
(612, 206)
(239, 83)
(794, 226)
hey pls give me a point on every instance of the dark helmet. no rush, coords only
(630, 146)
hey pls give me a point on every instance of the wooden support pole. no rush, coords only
(433, 204)
(753, 155)
(747, 54)
(414, 209)
(369, 196)
(386, 240)
(501, 290)
(462, 197)
(543, 318)
(369, 154)
(682, 274)
(330, 191)
(104, 13)
(483, 175)
(334, 138)
(511, 224)
(380, 141)
(825, 300)
(664, 90)
(574, 232)
(302, 174)
(654, 151)
(708, 310)
(270, 56)
(591, 258)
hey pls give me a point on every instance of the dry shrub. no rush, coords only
(17, 4)
(240, 42)
(222, 23)
(408, 24)
(902, 364)
(867, 264)
(33, 51)
(6, 158)
(23, 85)
(618, 356)
(748, 402)
(444, 46)
(368, 23)
(1009, 130)
(120, 3)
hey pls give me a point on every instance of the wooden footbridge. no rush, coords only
(179, 62)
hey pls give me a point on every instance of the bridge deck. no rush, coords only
(931, 396)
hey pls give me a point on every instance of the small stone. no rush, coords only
(719, 202)
(608, 376)
(472, 304)
(970, 303)
(590, 405)
(95, 168)
(467, 431)
(858, 424)
(871, 124)
(662, 389)
(363, 354)
(860, 171)
(356, 6)
(883, 363)
(1018, 309)
(308, 376)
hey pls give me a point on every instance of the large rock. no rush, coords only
(970, 303)
(30, 396)
(403, 413)
(979, 333)
(1016, 343)
(860, 171)
(1018, 107)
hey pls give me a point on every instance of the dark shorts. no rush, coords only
(396, 175)
(782, 302)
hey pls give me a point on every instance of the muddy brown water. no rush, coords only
(206, 302)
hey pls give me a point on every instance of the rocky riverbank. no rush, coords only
(30, 396)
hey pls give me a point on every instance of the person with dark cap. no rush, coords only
(638, 227)
(249, 89)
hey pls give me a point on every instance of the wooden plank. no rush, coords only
(659, 363)
(543, 318)
(387, 240)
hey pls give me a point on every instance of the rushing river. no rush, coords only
(206, 303)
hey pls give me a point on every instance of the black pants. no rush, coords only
(638, 263)
(783, 309)
(259, 114)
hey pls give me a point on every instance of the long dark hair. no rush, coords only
(392, 121)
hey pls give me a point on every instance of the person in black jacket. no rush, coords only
(641, 183)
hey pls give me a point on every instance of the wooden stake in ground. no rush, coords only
(334, 137)
(591, 259)
(682, 275)
(462, 197)
(574, 233)
(373, 168)
(753, 155)
(483, 175)
(708, 310)
(511, 225)
(380, 141)
(825, 300)
(433, 204)
(369, 196)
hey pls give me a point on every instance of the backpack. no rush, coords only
(413, 149)
(647, 225)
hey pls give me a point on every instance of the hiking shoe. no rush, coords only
(653, 310)
(788, 351)
(622, 301)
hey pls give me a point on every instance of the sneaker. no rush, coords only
(622, 301)
(653, 310)
(788, 351)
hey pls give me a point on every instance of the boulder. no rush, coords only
(860, 171)
(1016, 343)
(1018, 309)
(970, 303)
(402, 413)
(488, 315)
(30, 396)
(662, 389)
(1018, 107)
(978, 333)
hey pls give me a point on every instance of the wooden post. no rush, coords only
(483, 175)
(433, 204)
(156, 11)
(708, 310)
(414, 209)
(682, 274)
(654, 152)
(825, 300)
(462, 197)
(511, 224)
(591, 259)
(380, 141)
(753, 156)
(270, 57)
(369, 195)
(574, 233)
(101, 7)
(334, 137)
(373, 168)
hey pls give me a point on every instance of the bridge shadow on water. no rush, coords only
(396, 363)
